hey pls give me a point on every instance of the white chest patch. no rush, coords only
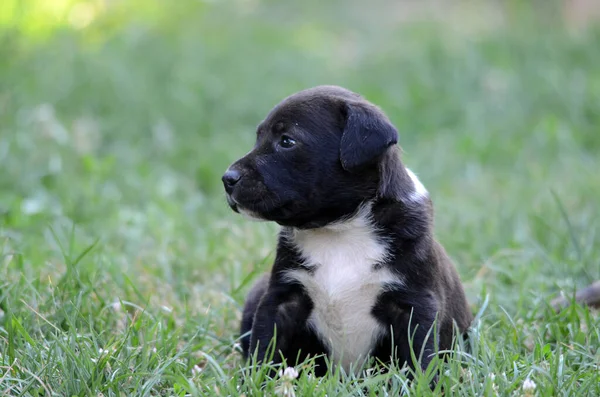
(344, 285)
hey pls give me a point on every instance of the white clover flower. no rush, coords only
(102, 352)
(196, 370)
(529, 385)
(289, 373)
(286, 389)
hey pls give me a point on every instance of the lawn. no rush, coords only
(123, 271)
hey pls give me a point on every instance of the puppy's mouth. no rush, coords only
(232, 204)
(240, 209)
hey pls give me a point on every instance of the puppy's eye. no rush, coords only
(286, 142)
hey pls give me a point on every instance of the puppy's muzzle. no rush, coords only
(230, 179)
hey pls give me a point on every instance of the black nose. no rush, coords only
(230, 178)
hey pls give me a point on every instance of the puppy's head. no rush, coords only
(319, 154)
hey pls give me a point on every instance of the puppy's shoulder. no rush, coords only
(287, 255)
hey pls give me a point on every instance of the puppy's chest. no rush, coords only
(344, 282)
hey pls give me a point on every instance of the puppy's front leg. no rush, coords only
(410, 316)
(282, 313)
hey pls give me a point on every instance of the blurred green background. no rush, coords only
(117, 119)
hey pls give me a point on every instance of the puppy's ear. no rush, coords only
(367, 134)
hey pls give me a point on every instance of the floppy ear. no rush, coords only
(367, 135)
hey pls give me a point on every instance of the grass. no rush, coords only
(123, 272)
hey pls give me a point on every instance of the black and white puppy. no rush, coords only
(357, 270)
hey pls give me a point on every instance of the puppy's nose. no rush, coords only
(230, 178)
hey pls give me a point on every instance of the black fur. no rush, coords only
(344, 155)
(367, 134)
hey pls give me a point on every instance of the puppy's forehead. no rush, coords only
(326, 91)
(310, 102)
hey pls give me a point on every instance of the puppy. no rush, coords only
(357, 272)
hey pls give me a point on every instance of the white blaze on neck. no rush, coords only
(344, 284)
(419, 192)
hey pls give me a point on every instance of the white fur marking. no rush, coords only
(344, 285)
(250, 214)
(420, 192)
